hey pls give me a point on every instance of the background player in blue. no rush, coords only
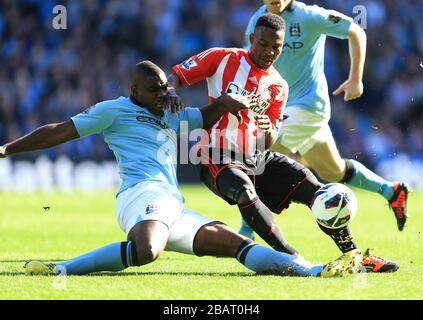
(149, 204)
(305, 129)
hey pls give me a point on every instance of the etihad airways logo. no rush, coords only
(157, 122)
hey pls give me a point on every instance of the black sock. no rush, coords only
(342, 237)
(261, 220)
(128, 253)
(349, 171)
(243, 249)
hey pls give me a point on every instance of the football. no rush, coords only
(334, 205)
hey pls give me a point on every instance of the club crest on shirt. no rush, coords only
(334, 18)
(151, 209)
(189, 64)
(294, 30)
(262, 103)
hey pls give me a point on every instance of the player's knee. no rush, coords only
(240, 193)
(246, 195)
(333, 174)
(147, 253)
(217, 239)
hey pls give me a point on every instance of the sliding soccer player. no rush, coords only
(141, 131)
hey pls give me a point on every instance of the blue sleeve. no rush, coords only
(252, 25)
(95, 119)
(329, 22)
(248, 31)
(191, 119)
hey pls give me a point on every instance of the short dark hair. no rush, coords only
(147, 67)
(272, 21)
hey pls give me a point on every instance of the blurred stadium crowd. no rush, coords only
(48, 75)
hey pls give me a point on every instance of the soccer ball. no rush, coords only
(334, 205)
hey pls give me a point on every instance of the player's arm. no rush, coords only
(93, 120)
(197, 68)
(44, 137)
(338, 25)
(191, 71)
(174, 82)
(226, 103)
(172, 101)
(353, 86)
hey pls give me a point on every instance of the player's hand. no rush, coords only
(172, 102)
(264, 123)
(352, 89)
(3, 152)
(234, 103)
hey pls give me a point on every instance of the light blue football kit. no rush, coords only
(301, 64)
(136, 136)
(308, 109)
(149, 189)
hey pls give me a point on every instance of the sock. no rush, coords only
(342, 237)
(359, 176)
(113, 257)
(245, 229)
(261, 220)
(265, 260)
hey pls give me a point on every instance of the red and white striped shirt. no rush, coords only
(231, 70)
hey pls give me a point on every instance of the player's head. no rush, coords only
(149, 86)
(276, 6)
(267, 40)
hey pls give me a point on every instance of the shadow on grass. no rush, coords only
(172, 273)
(134, 273)
(13, 274)
(60, 260)
(27, 260)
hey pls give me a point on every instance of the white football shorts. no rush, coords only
(301, 130)
(159, 201)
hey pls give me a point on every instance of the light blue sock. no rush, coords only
(246, 230)
(108, 258)
(265, 260)
(365, 179)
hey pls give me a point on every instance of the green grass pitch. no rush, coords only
(76, 223)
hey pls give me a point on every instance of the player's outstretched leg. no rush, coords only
(216, 239)
(113, 257)
(146, 241)
(234, 184)
(357, 175)
(283, 181)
